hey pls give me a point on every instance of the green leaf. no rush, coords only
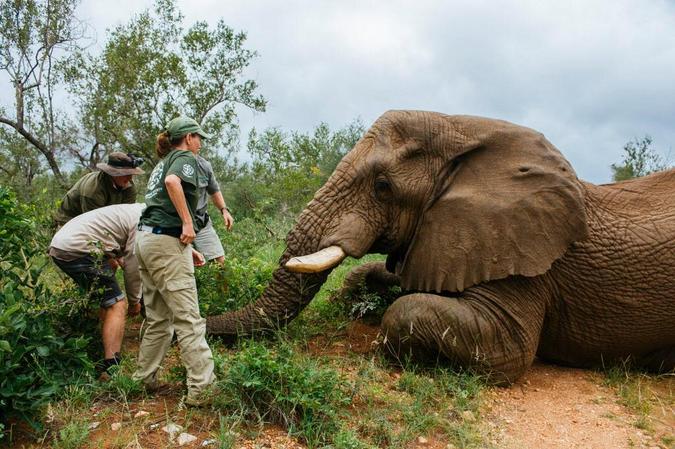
(43, 351)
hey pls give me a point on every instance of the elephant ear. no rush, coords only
(511, 206)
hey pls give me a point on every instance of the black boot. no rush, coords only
(105, 371)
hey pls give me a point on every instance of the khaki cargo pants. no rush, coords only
(170, 295)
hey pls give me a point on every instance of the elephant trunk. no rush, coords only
(290, 290)
(287, 293)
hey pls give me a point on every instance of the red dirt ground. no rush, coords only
(549, 407)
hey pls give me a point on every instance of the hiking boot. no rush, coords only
(153, 385)
(198, 401)
(106, 368)
(156, 386)
(203, 398)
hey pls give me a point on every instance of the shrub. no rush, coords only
(39, 351)
(232, 286)
(371, 305)
(281, 386)
(72, 436)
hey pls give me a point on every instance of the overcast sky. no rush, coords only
(590, 75)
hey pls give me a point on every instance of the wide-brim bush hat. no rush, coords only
(121, 164)
(181, 126)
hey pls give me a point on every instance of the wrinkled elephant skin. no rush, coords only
(501, 251)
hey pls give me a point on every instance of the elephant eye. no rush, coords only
(382, 189)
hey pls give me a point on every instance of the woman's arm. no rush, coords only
(177, 196)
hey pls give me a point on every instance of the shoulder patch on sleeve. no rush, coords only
(188, 170)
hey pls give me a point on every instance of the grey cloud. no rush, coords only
(590, 74)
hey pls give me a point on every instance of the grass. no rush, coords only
(335, 400)
(72, 436)
(282, 386)
(226, 437)
(635, 393)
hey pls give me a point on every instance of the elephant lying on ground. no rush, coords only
(501, 251)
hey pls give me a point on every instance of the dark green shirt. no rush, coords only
(160, 211)
(93, 190)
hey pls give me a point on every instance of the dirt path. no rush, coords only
(554, 407)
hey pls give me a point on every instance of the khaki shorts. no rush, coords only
(208, 243)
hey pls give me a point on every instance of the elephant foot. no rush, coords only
(368, 289)
(373, 276)
(428, 328)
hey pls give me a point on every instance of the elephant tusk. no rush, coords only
(318, 261)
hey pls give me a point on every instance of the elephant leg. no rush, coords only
(474, 330)
(373, 276)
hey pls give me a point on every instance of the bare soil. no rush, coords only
(556, 407)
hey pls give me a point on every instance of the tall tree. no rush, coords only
(151, 70)
(287, 168)
(34, 36)
(639, 159)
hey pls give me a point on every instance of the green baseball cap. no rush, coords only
(183, 125)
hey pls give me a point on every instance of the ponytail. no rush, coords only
(165, 144)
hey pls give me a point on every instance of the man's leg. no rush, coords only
(113, 328)
(98, 279)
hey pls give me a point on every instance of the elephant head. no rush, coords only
(453, 201)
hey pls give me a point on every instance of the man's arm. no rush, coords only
(132, 284)
(177, 196)
(219, 202)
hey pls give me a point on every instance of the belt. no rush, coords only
(173, 232)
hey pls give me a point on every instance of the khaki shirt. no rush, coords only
(93, 190)
(107, 231)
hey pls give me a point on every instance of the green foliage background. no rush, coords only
(42, 347)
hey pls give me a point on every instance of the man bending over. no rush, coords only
(89, 248)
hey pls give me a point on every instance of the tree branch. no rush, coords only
(39, 145)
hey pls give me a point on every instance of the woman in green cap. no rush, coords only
(166, 260)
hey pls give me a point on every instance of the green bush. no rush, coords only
(40, 352)
(370, 305)
(251, 256)
(232, 286)
(281, 386)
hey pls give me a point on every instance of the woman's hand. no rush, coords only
(188, 234)
(116, 263)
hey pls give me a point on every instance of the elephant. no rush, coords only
(502, 253)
